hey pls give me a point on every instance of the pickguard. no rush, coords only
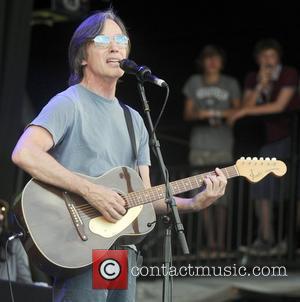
(107, 229)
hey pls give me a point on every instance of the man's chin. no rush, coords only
(115, 75)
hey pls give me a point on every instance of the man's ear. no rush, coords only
(83, 63)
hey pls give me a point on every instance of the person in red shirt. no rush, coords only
(272, 89)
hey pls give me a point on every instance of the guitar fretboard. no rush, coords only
(179, 186)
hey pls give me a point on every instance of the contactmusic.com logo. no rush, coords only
(110, 269)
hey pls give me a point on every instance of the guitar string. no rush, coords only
(131, 201)
(87, 212)
(132, 198)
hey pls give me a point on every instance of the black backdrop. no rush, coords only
(15, 18)
(166, 36)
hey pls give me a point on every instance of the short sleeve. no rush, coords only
(188, 88)
(235, 90)
(289, 78)
(56, 117)
(143, 142)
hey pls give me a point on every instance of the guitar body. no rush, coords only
(54, 243)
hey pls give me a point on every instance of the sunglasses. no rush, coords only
(103, 41)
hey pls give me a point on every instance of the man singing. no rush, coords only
(83, 129)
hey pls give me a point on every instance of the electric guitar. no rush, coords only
(62, 228)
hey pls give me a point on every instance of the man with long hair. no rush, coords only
(83, 129)
(269, 90)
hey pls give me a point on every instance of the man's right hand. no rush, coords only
(265, 75)
(109, 203)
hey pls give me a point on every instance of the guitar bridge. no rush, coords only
(79, 225)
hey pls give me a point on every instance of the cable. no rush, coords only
(158, 120)
(161, 111)
(7, 268)
(19, 224)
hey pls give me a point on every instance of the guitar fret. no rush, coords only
(136, 196)
(153, 194)
(160, 194)
(236, 173)
(191, 186)
(196, 182)
(183, 184)
(230, 171)
(177, 187)
(226, 172)
(187, 184)
(132, 199)
(174, 187)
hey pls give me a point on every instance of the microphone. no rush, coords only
(143, 73)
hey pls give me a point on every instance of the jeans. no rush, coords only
(79, 288)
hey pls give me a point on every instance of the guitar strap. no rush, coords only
(130, 128)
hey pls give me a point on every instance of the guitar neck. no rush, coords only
(179, 186)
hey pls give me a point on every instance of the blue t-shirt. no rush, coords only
(90, 133)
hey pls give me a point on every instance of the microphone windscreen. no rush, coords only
(129, 66)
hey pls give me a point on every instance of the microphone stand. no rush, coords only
(172, 219)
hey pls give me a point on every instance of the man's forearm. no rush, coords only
(42, 166)
(264, 109)
(184, 205)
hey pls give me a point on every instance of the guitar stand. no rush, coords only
(172, 219)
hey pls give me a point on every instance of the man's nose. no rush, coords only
(113, 47)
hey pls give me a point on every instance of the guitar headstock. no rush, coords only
(255, 169)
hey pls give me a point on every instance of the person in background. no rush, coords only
(210, 98)
(17, 259)
(269, 90)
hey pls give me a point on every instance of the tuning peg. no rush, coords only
(273, 158)
(267, 158)
(254, 158)
(248, 158)
(261, 158)
(242, 158)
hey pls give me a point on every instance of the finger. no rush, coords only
(119, 199)
(220, 183)
(208, 184)
(107, 216)
(219, 172)
(119, 208)
(212, 183)
(223, 183)
(216, 182)
(114, 214)
(221, 175)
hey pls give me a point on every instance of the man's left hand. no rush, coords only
(214, 188)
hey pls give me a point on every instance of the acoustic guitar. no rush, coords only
(62, 228)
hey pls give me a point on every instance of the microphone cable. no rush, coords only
(7, 268)
(10, 238)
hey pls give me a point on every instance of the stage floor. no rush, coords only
(217, 289)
